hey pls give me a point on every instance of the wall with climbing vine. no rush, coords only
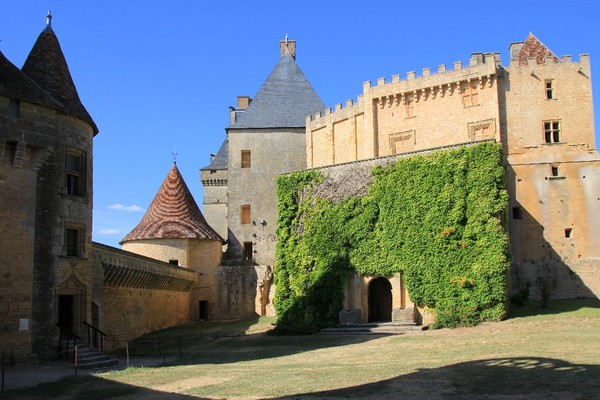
(437, 218)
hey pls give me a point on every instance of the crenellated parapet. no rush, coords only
(482, 68)
(125, 269)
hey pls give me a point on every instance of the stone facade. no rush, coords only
(45, 251)
(539, 107)
(264, 140)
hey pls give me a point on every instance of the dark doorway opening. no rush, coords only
(65, 314)
(203, 310)
(380, 300)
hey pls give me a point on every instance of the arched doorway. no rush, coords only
(380, 300)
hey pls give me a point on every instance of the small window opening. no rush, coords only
(75, 172)
(247, 251)
(246, 159)
(246, 214)
(174, 261)
(73, 241)
(517, 212)
(549, 89)
(554, 171)
(14, 108)
(568, 232)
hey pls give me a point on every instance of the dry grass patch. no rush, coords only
(554, 355)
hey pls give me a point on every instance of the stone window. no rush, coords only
(247, 251)
(481, 130)
(75, 175)
(246, 214)
(549, 89)
(552, 131)
(554, 171)
(470, 93)
(13, 108)
(402, 142)
(246, 158)
(409, 102)
(174, 261)
(74, 240)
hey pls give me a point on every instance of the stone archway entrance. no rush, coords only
(380, 300)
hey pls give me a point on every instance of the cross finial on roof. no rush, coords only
(49, 19)
(174, 157)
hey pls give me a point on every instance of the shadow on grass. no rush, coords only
(553, 307)
(507, 378)
(230, 342)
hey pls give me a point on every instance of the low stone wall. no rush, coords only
(139, 294)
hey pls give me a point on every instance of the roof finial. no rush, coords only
(286, 40)
(49, 19)
(174, 156)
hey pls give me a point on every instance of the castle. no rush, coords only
(57, 284)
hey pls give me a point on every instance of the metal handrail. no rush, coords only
(66, 336)
(93, 335)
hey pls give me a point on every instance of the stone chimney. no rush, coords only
(291, 46)
(243, 102)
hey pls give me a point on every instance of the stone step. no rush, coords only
(109, 362)
(90, 358)
(386, 328)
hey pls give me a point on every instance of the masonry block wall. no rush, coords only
(38, 267)
(215, 199)
(140, 295)
(273, 152)
(412, 114)
(553, 176)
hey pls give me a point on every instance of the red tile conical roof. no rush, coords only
(173, 214)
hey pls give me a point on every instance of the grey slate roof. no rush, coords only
(47, 66)
(14, 83)
(221, 158)
(284, 100)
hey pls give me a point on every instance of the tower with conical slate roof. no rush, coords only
(46, 139)
(265, 138)
(174, 230)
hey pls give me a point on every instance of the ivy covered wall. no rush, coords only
(437, 218)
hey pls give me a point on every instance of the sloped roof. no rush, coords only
(534, 48)
(173, 214)
(47, 66)
(221, 158)
(284, 100)
(15, 84)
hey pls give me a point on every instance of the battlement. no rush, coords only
(482, 66)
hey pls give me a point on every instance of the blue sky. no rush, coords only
(158, 76)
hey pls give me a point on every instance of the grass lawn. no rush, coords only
(538, 353)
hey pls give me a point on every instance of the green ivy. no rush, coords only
(437, 218)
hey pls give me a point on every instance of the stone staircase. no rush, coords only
(90, 358)
(374, 328)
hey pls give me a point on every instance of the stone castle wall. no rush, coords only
(553, 184)
(139, 294)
